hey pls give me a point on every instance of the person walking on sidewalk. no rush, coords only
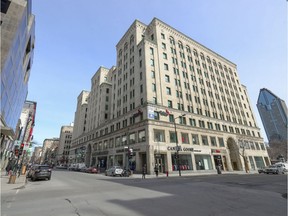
(144, 171)
(156, 170)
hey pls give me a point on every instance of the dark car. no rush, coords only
(40, 172)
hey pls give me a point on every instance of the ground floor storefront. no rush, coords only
(164, 158)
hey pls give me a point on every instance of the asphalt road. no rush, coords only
(81, 194)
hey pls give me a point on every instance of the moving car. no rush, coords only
(274, 169)
(40, 172)
(113, 171)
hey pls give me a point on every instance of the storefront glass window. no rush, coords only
(203, 162)
(118, 160)
(185, 162)
(259, 161)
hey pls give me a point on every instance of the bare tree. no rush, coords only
(243, 145)
(277, 150)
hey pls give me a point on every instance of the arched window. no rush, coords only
(208, 60)
(172, 41)
(180, 45)
(202, 56)
(188, 49)
(195, 53)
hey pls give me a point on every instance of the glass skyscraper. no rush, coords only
(17, 46)
(273, 113)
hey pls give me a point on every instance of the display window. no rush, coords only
(203, 162)
(185, 162)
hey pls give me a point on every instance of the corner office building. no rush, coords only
(162, 74)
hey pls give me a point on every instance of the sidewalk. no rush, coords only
(185, 173)
(19, 183)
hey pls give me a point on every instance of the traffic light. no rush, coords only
(21, 148)
(16, 152)
(130, 152)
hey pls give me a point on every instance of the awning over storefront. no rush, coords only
(7, 131)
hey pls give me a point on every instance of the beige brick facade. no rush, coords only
(162, 74)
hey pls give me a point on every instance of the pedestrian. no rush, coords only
(144, 171)
(156, 170)
(8, 169)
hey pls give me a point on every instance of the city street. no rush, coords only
(81, 194)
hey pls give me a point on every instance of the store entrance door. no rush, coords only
(218, 161)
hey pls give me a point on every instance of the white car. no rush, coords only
(114, 171)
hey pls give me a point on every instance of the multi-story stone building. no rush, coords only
(273, 113)
(63, 150)
(17, 47)
(36, 156)
(169, 94)
(49, 151)
(80, 125)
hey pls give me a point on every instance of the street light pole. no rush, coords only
(177, 147)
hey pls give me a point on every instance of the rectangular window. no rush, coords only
(204, 140)
(170, 105)
(153, 87)
(168, 91)
(156, 115)
(195, 139)
(166, 67)
(159, 135)
(164, 56)
(167, 78)
(142, 136)
(213, 141)
(185, 138)
(221, 142)
(172, 137)
(171, 118)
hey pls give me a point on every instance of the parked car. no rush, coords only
(91, 170)
(283, 165)
(41, 172)
(262, 170)
(274, 169)
(113, 171)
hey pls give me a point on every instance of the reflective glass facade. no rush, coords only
(17, 45)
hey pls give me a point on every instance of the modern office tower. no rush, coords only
(17, 46)
(63, 150)
(273, 113)
(172, 103)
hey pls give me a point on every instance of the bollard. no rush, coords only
(167, 173)
(12, 179)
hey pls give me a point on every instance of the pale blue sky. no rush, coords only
(74, 38)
